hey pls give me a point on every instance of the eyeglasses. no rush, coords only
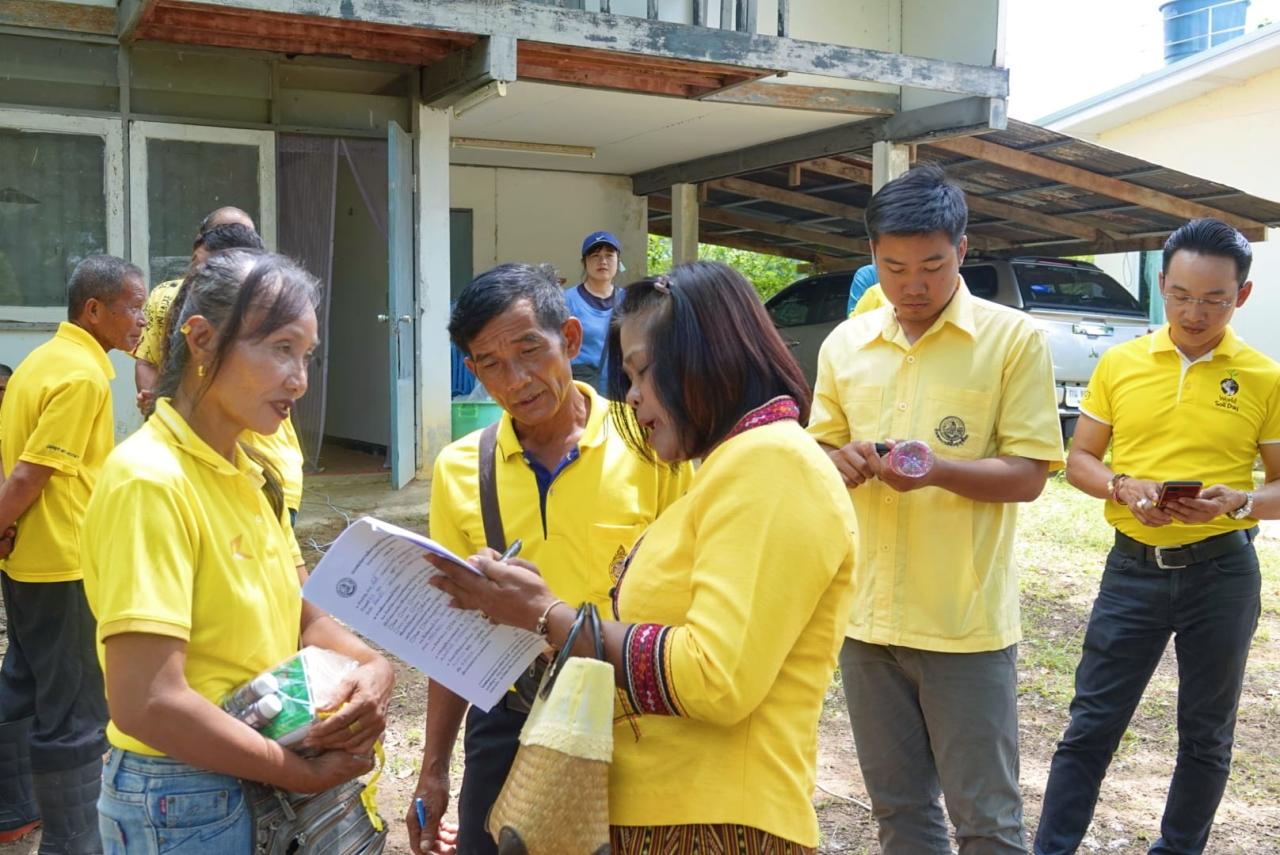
(1182, 301)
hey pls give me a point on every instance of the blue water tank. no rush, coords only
(1191, 26)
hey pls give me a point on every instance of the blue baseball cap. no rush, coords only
(596, 238)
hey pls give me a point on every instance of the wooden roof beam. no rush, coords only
(491, 59)
(1105, 185)
(820, 99)
(130, 14)
(625, 34)
(790, 198)
(771, 227)
(40, 14)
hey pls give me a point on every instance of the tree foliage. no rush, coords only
(768, 273)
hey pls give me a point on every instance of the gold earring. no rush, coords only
(185, 329)
(200, 370)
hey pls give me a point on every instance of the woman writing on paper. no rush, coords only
(733, 606)
(194, 576)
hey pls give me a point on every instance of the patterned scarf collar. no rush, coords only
(779, 409)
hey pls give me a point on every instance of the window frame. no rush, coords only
(140, 133)
(111, 131)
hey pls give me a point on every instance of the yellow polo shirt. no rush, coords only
(57, 413)
(871, 299)
(150, 347)
(1173, 419)
(935, 570)
(597, 507)
(752, 573)
(285, 453)
(182, 543)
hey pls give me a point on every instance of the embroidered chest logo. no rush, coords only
(951, 431)
(1230, 387)
(618, 564)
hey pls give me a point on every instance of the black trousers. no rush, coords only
(489, 747)
(51, 674)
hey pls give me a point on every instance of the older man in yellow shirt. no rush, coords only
(58, 429)
(929, 662)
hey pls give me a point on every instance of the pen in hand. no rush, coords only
(512, 551)
(422, 812)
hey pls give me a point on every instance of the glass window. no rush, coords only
(790, 308)
(982, 281)
(1077, 289)
(187, 180)
(53, 212)
(834, 303)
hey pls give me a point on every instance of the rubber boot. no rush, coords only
(69, 810)
(19, 814)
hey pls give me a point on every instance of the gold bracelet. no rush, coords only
(542, 627)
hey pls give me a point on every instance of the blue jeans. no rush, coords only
(1211, 609)
(152, 805)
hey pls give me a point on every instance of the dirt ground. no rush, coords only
(1062, 540)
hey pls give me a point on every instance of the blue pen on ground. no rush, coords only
(422, 812)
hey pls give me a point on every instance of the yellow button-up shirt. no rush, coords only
(1174, 419)
(935, 570)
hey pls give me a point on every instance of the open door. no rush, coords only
(400, 312)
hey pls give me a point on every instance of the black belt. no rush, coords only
(1178, 557)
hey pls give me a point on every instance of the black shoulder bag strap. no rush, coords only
(490, 511)
(521, 700)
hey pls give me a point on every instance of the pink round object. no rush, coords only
(911, 458)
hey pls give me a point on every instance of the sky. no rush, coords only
(1059, 52)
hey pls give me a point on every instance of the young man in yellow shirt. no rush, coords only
(58, 429)
(566, 484)
(1190, 402)
(929, 661)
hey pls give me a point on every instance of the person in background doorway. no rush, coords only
(148, 355)
(58, 430)
(592, 301)
(862, 280)
(930, 660)
(1190, 401)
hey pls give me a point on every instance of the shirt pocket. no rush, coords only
(610, 545)
(958, 422)
(863, 407)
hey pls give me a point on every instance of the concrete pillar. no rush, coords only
(432, 202)
(888, 161)
(684, 223)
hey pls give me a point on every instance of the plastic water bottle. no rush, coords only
(260, 713)
(244, 697)
(910, 458)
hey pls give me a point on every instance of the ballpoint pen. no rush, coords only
(422, 812)
(512, 551)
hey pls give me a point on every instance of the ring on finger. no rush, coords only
(355, 727)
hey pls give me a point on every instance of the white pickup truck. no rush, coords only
(1082, 309)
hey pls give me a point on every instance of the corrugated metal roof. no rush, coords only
(1039, 190)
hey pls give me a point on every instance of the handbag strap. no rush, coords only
(490, 512)
(588, 615)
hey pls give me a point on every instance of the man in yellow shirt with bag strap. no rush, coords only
(564, 482)
(929, 661)
(57, 432)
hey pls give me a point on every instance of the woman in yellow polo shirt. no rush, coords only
(734, 604)
(194, 577)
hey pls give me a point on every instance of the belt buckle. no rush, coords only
(1160, 558)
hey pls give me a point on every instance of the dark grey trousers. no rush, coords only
(932, 724)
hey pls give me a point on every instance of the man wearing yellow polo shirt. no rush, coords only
(58, 429)
(566, 484)
(929, 661)
(1190, 402)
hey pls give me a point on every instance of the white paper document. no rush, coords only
(374, 579)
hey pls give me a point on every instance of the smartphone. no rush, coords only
(1171, 490)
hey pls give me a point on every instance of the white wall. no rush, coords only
(1224, 136)
(535, 216)
(971, 32)
(16, 344)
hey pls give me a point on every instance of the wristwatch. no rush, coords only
(1244, 510)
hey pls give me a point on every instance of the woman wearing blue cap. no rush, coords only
(592, 301)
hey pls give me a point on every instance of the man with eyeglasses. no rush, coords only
(1190, 402)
